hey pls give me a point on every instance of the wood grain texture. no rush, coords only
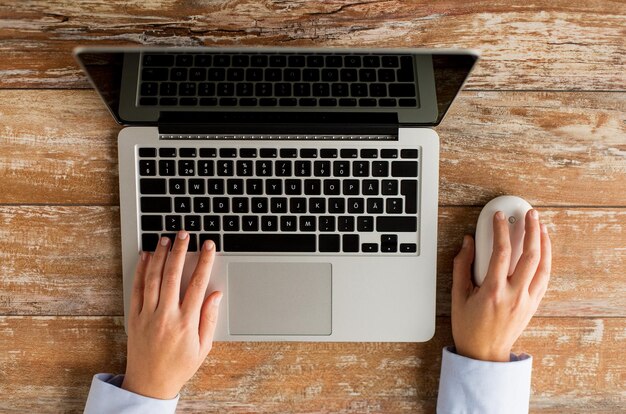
(50, 362)
(65, 260)
(551, 147)
(564, 45)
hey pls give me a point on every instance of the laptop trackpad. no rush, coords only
(279, 298)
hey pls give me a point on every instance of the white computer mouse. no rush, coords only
(514, 209)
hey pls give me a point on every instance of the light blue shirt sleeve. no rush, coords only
(471, 386)
(106, 396)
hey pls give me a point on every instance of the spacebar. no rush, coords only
(269, 242)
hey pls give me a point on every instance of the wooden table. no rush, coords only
(543, 116)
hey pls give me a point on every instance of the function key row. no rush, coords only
(274, 153)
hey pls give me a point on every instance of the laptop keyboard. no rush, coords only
(279, 80)
(263, 199)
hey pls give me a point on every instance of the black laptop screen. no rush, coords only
(157, 86)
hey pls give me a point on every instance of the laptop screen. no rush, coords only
(156, 86)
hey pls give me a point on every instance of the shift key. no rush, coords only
(396, 223)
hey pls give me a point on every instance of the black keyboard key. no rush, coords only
(228, 152)
(182, 204)
(378, 90)
(312, 187)
(168, 101)
(270, 243)
(254, 186)
(235, 75)
(147, 167)
(307, 223)
(230, 223)
(152, 186)
(178, 74)
(282, 89)
(340, 89)
(184, 60)
(197, 74)
(278, 61)
(189, 101)
(208, 101)
(317, 205)
(297, 205)
(274, 187)
(215, 186)
(371, 61)
(278, 204)
(186, 168)
(187, 152)
(228, 101)
(258, 61)
(345, 223)
(205, 168)
(321, 89)
(388, 243)
(273, 75)
(401, 90)
(321, 168)
(203, 60)
(192, 223)
(225, 89)
(212, 223)
(406, 72)
(288, 153)
(302, 168)
(302, 89)
(154, 74)
(149, 242)
(187, 89)
(388, 153)
(241, 60)
(308, 153)
(315, 61)
(347, 102)
(380, 168)
(148, 101)
(348, 75)
(334, 61)
(288, 223)
(336, 205)
(210, 236)
(202, 205)
(259, 204)
(268, 102)
(328, 153)
(356, 205)
(408, 247)
(396, 223)
(283, 168)
(149, 89)
(369, 153)
(192, 246)
(151, 223)
(331, 187)
(221, 60)
(374, 205)
(293, 187)
(158, 60)
(221, 205)
(328, 102)
(350, 187)
(217, 74)
(367, 75)
(393, 205)
(263, 168)
(147, 152)
(173, 223)
(407, 102)
(360, 168)
(408, 153)
(244, 168)
(292, 75)
(367, 102)
(404, 169)
(248, 101)
(296, 61)
(408, 188)
(287, 102)
(168, 89)
(389, 187)
(329, 243)
(352, 61)
(269, 223)
(311, 75)
(225, 168)
(341, 168)
(390, 61)
(156, 205)
(177, 186)
(250, 223)
(196, 186)
(365, 223)
(330, 75)
(208, 152)
(369, 247)
(348, 153)
(387, 102)
(234, 186)
(369, 187)
(350, 243)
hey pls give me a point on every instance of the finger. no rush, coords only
(136, 297)
(194, 296)
(462, 271)
(154, 273)
(531, 255)
(539, 285)
(173, 270)
(208, 320)
(500, 261)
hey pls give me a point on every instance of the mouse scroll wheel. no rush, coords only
(512, 219)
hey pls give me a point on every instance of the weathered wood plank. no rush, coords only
(50, 361)
(560, 45)
(550, 147)
(65, 260)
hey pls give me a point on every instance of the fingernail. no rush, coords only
(500, 215)
(465, 241)
(164, 241)
(209, 245)
(182, 234)
(534, 214)
(218, 299)
(544, 229)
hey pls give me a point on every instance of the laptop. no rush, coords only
(314, 171)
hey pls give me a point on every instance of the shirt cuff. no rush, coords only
(106, 396)
(471, 386)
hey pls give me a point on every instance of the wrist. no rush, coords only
(148, 389)
(484, 355)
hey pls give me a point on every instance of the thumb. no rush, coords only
(462, 271)
(208, 320)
